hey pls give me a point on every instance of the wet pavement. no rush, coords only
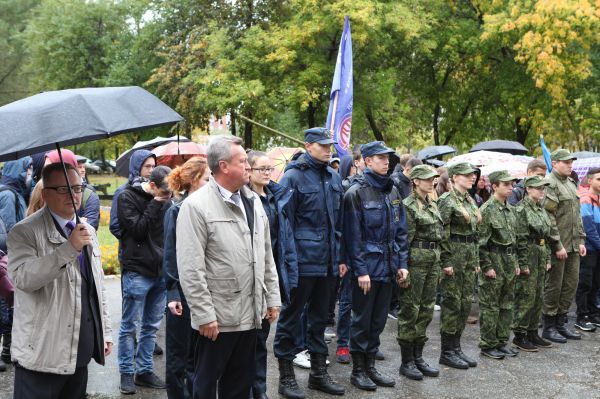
(564, 371)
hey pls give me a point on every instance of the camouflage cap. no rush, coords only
(535, 181)
(422, 172)
(500, 175)
(562, 155)
(460, 168)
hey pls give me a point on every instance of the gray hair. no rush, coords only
(219, 149)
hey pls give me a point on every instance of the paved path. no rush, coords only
(565, 371)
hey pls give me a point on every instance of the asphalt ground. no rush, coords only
(571, 370)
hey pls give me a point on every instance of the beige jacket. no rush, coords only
(225, 274)
(47, 309)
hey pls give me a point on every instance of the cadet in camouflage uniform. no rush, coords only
(425, 231)
(562, 203)
(499, 267)
(460, 262)
(533, 253)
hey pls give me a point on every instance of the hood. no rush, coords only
(345, 165)
(38, 164)
(14, 174)
(136, 161)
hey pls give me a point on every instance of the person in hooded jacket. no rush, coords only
(141, 207)
(180, 337)
(375, 222)
(274, 199)
(315, 219)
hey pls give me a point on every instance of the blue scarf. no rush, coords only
(379, 182)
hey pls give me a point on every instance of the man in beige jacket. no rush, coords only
(61, 317)
(227, 272)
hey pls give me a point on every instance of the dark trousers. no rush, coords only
(589, 276)
(369, 315)
(260, 379)
(180, 340)
(226, 364)
(395, 299)
(333, 297)
(314, 292)
(31, 384)
(344, 311)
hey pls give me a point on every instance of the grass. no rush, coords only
(114, 181)
(105, 237)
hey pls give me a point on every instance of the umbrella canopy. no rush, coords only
(490, 161)
(481, 158)
(586, 154)
(434, 162)
(122, 168)
(281, 156)
(68, 117)
(581, 166)
(435, 151)
(509, 147)
(174, 154)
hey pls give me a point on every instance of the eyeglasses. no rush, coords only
(264, 170)
(64, 189)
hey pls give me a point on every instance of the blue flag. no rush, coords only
(546, 153)
(339, 117)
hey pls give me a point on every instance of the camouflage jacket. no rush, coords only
(423, 219)
(498, 227)
(533, 224)
(561, 200)
(453, 207)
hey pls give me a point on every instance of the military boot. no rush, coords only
(448, 356)
(408, 368)
(6, 341)
(422, 365)
(538, 341)
(379, 379)
(359, 377)
(522, 342)
(458, 350)
(288, 387)
(563, 329)
(319, 379)
(550, 333)
(2, 366)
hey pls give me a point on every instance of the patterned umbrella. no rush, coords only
(281, 156)
(174, 154)
(581, 166)
(490, 161)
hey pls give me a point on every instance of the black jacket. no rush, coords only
(402, 183)
(141, 220)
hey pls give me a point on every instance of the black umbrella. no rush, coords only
(394, 160)
(435, 151)
(435, 162)
(122, 168)
(510, 147)
(67, 117)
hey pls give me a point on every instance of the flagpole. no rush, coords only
(335, 101)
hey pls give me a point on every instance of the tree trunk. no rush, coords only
(373, 124)
(232, 125)
(310, 115)
(435, 124)
(522, 130)
(248, 131)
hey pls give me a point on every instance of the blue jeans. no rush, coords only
(144, 300)
(344, 311)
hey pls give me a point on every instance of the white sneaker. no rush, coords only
(329, 332)
(437, 307)
(302, 360)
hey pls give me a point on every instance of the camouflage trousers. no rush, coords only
(457, 290)
(418, 299)
(529, 292)
(561, 284)
(496, 299)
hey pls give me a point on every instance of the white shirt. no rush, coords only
(63, 222)
(226, 194)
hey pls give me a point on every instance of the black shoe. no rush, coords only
(379, 355)
(422, 365)
(157, 350)
(448, 357)
(288, 387)
(538, 341)
(457, 349)
(594, 318)
(2, 366)
(493, 353)
(260, 395)
(6, 341)
(563, 328)
(127, 387)
(408, 368)
(583, 323)
(508, 351)
(379, 379)
(522, 342)
(550, 333)
(359, 377)
(393, 313)
(149, 380)
(320, 379)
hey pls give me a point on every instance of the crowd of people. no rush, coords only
(225, 251)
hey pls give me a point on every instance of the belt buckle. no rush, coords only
(542, 242)
(509, 250)
(432, 245)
